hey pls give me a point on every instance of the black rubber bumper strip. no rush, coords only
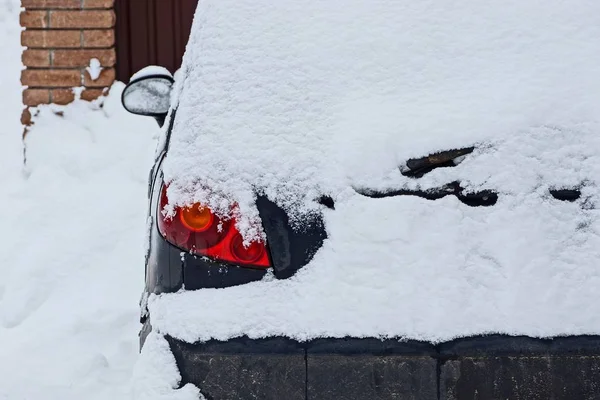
(483, 367)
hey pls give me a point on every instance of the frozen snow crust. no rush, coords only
(302, 98)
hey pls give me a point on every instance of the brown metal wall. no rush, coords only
(151, 32)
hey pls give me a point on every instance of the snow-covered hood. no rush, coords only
(298, 99)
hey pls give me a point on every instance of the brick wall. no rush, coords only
(61, 36)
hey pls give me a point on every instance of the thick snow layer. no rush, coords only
(72, 252)
(156, 376)
(301, 98)
(72, 241)
(72, 247)
(418, 269)
(149, 71)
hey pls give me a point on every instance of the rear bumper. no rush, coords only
(491, 367)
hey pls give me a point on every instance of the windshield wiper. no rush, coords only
(483, 198)
(417, 167)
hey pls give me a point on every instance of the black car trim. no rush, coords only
(418, 167)
(500, 365)
(290, 247)
(566, 194)
(482, 198)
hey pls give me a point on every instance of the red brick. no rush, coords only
(62, 96)
(82, 57)
(91, 94)
(51, 78)
(106, 78)
(26, 117)
(98, 38)
(48, 39)
(82, 19)
(36, 58)
(51, 3)
(35, 97)
(98, 3)
(34, 19)
(66, 96)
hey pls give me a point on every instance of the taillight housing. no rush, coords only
(198, 230)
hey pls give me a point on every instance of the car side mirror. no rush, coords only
(149, 93)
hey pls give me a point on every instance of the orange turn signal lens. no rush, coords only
(197, 217)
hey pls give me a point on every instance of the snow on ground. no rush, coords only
(156, 376)
(10, 101)
(72, 257)
(72, 241)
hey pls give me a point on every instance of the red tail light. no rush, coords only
(198, 230)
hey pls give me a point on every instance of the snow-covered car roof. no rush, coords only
(298, 99)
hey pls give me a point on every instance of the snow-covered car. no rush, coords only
(342, 190)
